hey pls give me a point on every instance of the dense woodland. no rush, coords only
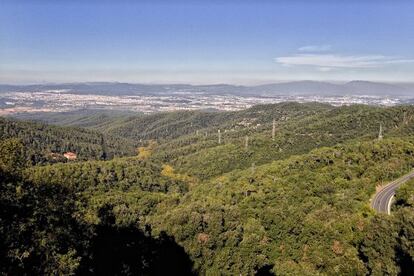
(42, 141)
(167, 194)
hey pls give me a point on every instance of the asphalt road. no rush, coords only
(383, 198)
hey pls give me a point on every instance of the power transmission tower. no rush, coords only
(380, 135)
(219, 136)
(405, 119)
(274, 129)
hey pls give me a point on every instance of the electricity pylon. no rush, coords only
(380, 135)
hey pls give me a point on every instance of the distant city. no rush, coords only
(156, 98)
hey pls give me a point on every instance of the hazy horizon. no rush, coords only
(337, 82)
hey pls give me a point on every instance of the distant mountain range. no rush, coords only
(296, 88)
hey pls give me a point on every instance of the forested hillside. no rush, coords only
(86, 118)
(169, 125)
(250, 200)
(204, 157)
(42, 141)
(84, 226)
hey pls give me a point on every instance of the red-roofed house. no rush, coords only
(70, 155)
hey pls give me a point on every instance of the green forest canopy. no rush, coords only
(297, 204)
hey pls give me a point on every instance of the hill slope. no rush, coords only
(167, 125)
(202, 156)
(41, 140)
(295, 205)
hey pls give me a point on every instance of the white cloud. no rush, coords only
(315, 48)
(331, 61)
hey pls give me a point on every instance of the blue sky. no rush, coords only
(242, 41)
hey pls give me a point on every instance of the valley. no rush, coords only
(207, 138)
(295, 200)
(164, 98)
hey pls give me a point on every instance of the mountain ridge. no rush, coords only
(304, 87)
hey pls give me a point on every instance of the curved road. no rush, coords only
(383, 198)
